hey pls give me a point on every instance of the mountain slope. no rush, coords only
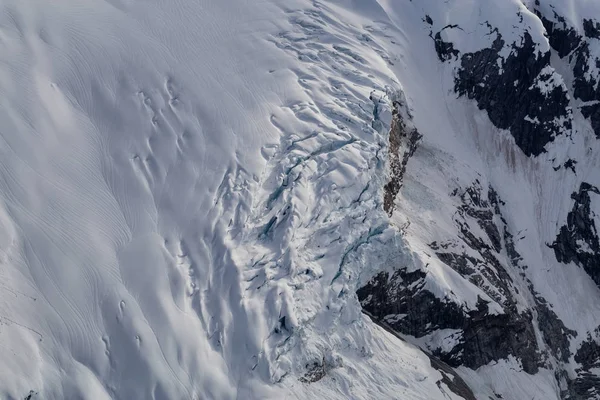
(149, 154)
(342, 199)
(502, 201)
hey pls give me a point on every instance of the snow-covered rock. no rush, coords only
(366, 199)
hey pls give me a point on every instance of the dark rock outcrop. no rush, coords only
(586, 384)
(591, 28)
(450, 378)
(31, 395)
(588, 354)
(577, 240)
(566, 41)
(406, 307)
(401, 300)
(521, 92)
(483, 267)
(403, 142)
(494, 337)
(314, 372)
(556, 334)
(562, 38)
(402, 303)
(511, 90)
(444, 50)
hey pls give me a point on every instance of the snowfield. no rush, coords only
(192, 192)
(146, 146)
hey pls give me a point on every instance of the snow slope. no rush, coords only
(443, 203)
(192, 192)
(180, 184)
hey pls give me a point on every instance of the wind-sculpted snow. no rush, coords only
(192, 193)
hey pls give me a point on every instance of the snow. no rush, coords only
(102, 109)
(443, 340)
(507, 379)
(191, 193)
(411, 377)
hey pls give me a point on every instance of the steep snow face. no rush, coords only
(194, 192)
(190, 192)
(121, 121)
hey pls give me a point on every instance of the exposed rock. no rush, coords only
(592, 112)
(481, 210)
(513, 255)
(403, 141)
(401, 302)
(556, 334)
(570, 164)
(578, 241)
(450, 378)
(566, 41)
(562, 38)
(591, 28)
(521, 92)
(494, 337)
(481, 207)
(585, 387)
(585, 85)
(445, 50)
(588, 354)
(314, 372)
(31, 395)
(461, 263)
(512, 89)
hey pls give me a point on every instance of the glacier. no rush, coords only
(341, 199)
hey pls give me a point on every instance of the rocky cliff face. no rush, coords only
(347, 199)
(544, 92)
(575, 47)
(577, 240)
(512, 89)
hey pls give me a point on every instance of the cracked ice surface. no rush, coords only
(188, 193)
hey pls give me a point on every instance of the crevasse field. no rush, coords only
(179, 181)
(191, 192)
